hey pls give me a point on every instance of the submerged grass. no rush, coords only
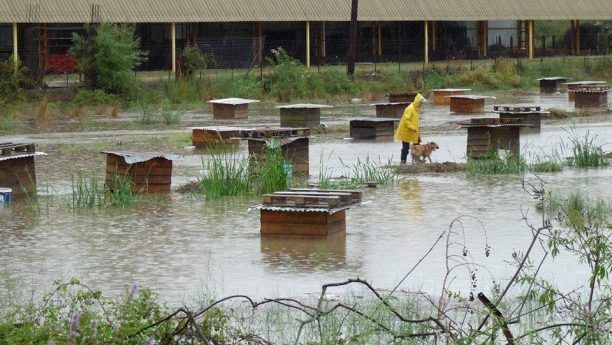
(364, 172)
(89, 192)
(493, 164)
(585, 152)
(228, 173)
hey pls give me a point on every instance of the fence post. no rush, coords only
(16, 47)
(173, 35)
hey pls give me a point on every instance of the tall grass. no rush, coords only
(89, 192)
(493, 164)
(361, 173)
(584, 149)
(168, 116)
(271, 172)
(545, 163)
(228, 173)
(86, 191)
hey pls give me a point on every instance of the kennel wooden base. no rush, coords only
(294, 150)
(301, 115)
(215, 137)
(395, 110)
(581, 84)
(280, 222)
(310, 212)
(467, 104)
(591, 97)
(490, 135)
(146, 172)
(442, 96)
(231, 108)
(528, 115)
(382, 129)
(17, 168)
(402, 97)
(551, 84)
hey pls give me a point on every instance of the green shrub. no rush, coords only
(94, 98)
(192, 60)
(168, 116)
(288, 78)
(107, 57)
(585, 152)
(10, 89)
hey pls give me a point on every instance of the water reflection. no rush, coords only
(304, 253)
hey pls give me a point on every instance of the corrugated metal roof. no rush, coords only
(138, 157)
(24, 155)
(301, 209)
(181, 11)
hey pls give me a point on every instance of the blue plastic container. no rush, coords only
(6, 195)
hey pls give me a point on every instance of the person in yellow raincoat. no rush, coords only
(408, 129)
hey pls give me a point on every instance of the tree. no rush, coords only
(107, 56)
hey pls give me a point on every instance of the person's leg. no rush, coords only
(405, 150)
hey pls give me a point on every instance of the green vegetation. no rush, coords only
(558, 113)
(89, 192)
(282, 78)
(366, 172)
(11, 83)
(585, 151)
(107, 56)
(545, 166)
(228, 173)
(494, 164)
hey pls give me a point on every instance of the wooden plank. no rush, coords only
(139, 170)
(293, 217)
(302, 223)
(301, 201)
(356, 195)
(345, 198)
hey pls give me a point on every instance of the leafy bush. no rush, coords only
(10, 89)
(192, 60)
(94, 98)
(107, 58)
(288, 78)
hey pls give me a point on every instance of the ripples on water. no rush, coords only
(180, 245)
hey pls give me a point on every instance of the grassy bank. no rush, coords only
(285, 80)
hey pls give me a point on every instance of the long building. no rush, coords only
(241, 33)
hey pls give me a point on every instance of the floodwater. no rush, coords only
(183, 246)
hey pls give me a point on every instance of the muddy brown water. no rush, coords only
(183, 246)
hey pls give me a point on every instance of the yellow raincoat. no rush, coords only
(408, 129)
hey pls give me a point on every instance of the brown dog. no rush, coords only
(420, 152)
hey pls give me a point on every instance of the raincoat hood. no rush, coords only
(417, 101)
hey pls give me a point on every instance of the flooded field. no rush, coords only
(182, 245)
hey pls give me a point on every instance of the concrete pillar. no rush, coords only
(173, 38)
(426, 45)
(530, 39)
(307, 43)
(15, 47)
